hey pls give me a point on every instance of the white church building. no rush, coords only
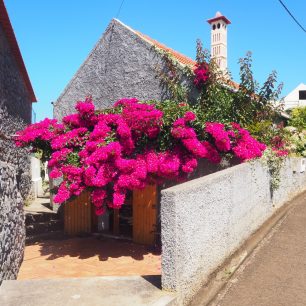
(296, 97)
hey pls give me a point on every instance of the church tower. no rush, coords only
(219, 39)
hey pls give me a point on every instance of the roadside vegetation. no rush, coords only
(135, 143)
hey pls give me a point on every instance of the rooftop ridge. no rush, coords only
(183, 59)
(11, 38)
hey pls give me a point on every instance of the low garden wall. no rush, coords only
(205, 220)
(12, 228)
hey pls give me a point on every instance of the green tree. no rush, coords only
(298, 118)
(247, 102)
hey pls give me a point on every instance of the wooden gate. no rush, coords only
(78, 215)
(145, 215)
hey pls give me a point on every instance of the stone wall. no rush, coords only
(13, 92)
(15, 181)
(205, 220)
(12, 230)
(120, 65)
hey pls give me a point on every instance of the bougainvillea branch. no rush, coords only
(115, 151)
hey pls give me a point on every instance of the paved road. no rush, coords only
(275, 274)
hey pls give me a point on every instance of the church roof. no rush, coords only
(11, 38)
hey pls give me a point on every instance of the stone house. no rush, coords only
(127, 63)
(16, 97)
(124, 63)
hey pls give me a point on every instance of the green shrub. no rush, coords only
(298, 118)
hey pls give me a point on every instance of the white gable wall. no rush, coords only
(292, 99)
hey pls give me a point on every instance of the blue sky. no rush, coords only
(55, 36)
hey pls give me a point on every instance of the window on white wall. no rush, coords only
(302, 95)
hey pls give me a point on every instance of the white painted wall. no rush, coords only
(205, 220)
(37, 189)
(219, 41)
(292, 99)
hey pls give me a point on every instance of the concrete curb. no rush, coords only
(218, 280)
(85, 291)
(165, 301)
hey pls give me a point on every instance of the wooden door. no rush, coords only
(145, 215)
(78, 215)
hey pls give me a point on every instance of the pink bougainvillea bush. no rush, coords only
(201, 74)
(129, 146)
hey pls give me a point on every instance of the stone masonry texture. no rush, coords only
(15, 181)
(121, 65)
(12, 229)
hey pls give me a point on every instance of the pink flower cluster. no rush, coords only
(106, 153)
(142, 118)
(246, 147)
(279, 146)
(222, 139)
(201, 74)
(220, 135)
(44, 131)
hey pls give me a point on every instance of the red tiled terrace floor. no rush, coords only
(85, 257)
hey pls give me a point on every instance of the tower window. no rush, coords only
(214, 27)
(218, 25)
(302, 95)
